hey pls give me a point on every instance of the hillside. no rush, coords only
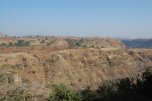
(37, 64)
(71, 42)
(76, 68)
(138, 43)
(94, 43)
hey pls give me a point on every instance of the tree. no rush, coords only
(78, 44)
(146, 86)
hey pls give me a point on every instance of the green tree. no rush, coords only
(146, 86)
(78, 44)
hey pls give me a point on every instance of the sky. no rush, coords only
(104, 18)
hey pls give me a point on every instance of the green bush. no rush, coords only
(22, 43)
(10, 44)
(62, 93)
(3, 44)
(78, 44)
(74, 43)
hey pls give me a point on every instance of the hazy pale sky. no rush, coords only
(105, 18)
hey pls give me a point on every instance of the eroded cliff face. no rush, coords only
(76, 68)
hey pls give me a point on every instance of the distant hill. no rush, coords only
(138, 43)
(94, 43)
